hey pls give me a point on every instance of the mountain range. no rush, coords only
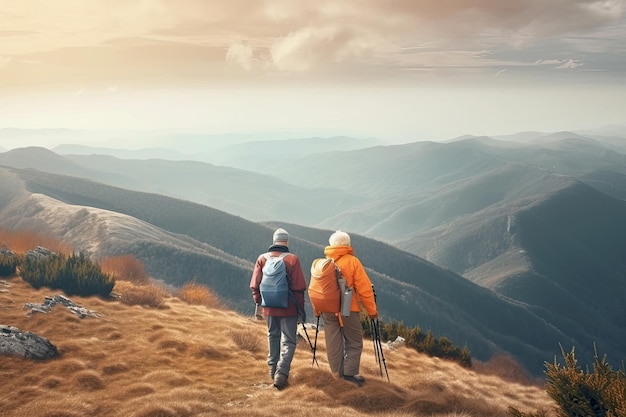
(506, 245)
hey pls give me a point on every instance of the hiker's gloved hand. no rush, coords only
(302, 317)
(373, 316)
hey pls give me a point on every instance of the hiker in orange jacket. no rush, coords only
(344, 351)
(282, 323)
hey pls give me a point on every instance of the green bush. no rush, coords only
(8, 262)
(414, 338)
(41, 267)
(75, 275)
(582, 393)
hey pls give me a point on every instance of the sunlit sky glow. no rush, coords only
(400, 70)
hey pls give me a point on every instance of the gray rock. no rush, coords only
(50, 302)
(13, 341)
(39, 253)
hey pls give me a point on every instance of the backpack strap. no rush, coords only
(338, 275)
(283, 255)
(337, 270)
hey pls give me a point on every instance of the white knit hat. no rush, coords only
(339, 238)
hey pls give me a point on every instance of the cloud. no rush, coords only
(380, 38)
(569, 64)
(560, 63)
(240, 53)
(312, 47)
(458, 32)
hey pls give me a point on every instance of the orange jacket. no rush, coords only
(356, 277)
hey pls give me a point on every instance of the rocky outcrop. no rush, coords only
(50, 302)
(13, 341)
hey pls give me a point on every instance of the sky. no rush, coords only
(399, 70)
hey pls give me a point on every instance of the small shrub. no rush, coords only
(581, 393)
(152, 296)
(197, 294)
(8, 262)
(126, 268)
(41, 267)
(246, 340)
(427, 343)
(81, 276)
(75, 275)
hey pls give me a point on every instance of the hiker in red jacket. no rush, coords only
(282, 323)
(344, 351)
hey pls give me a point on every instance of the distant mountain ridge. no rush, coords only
(525, 221)
(143, 153)
(267, 156)
(180, 241)
(247, 194)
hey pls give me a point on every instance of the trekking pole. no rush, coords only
(382, 354)
(317, 327)
(311, 344)
(380, 350)
(374, 337)
(376, 347)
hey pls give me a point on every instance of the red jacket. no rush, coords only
(297, 284)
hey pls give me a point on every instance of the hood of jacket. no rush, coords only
(337, 252)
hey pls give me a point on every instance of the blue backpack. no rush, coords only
(274, 285)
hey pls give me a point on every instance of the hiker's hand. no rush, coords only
(258, 312)
(373, 316)
(302, 317)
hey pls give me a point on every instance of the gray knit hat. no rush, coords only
(281, 235)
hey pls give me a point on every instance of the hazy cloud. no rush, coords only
(311, 47)
(241, 54)
(569, 64)
(306, 36)
(560, 63)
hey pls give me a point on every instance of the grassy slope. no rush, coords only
(184, 360)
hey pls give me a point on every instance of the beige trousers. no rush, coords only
(343, 345)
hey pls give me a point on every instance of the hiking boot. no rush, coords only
(357, 379)
(280, 380)
(272, 372)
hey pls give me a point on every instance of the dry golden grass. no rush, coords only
(21, 241)
(190, 360)
(147, 295)
(125, 268)
(198, 294)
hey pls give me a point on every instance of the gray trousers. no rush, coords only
(281, 336)
(343, 347)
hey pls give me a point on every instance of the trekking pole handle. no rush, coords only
(258, 312)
